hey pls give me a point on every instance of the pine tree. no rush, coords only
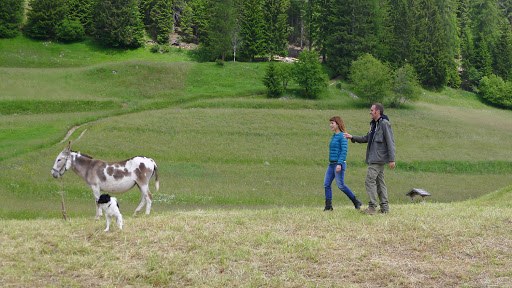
(466, 41)
(43, 18)
(276, 26)
(354, 32)
(402, 36)
(186, 24)
(162, 20)
(485, 21)
(251, 29)
(503, 54)
(201, 15)
(322, 27)
(272, 81)
(316, 25)
(483, 62)
(11, 17)
(430, 51)
(82, 10)
(220, 28)
(117, 23)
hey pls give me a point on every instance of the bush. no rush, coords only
(70, 31)
(405, 86)
(474, 76)
(307, 72)
(165, 49)
(11, 17)
(496, 91)
(154, 48)
(372, 79)
(284, 71)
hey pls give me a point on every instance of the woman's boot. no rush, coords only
(357, 203)
(328, 205)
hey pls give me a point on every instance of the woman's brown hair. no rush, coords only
(340, 123)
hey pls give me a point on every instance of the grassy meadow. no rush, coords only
(241, 178)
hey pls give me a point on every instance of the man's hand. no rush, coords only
(392, 165)
(347, 136)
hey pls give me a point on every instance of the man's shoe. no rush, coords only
(369, 211)
(383, 211)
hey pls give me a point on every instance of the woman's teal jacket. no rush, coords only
(338, 149)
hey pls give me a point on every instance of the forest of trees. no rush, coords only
(447, 42)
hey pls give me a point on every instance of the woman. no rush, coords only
(338, 164)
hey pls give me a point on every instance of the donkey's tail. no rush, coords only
(155, 172)
(157, 186)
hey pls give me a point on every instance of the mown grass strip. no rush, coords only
(458, 167)
(11, 107)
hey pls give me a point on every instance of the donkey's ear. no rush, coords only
(68, 147)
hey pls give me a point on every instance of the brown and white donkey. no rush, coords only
(110, 177)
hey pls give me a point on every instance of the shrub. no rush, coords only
(372, 79)
(154, 48)
(284, 71)
(165, 49)
(70, 31)
(308, 74)
(496, 91)
(474, 76)
(11, 17)
(405, 85)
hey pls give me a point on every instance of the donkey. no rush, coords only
(110, 177)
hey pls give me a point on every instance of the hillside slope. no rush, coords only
(218, 141)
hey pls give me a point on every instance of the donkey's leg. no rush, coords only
(99, 213)
(148, 199)
(142, 202)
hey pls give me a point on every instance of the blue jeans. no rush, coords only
(330, 175)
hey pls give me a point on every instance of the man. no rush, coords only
(379, 152)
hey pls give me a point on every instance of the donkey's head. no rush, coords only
(63, 162)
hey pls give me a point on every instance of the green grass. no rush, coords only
(262, 157)
(28, 53)
(20, 107)
(218, 141)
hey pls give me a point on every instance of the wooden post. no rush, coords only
(64, 214)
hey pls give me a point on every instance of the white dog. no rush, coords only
(111, 208)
